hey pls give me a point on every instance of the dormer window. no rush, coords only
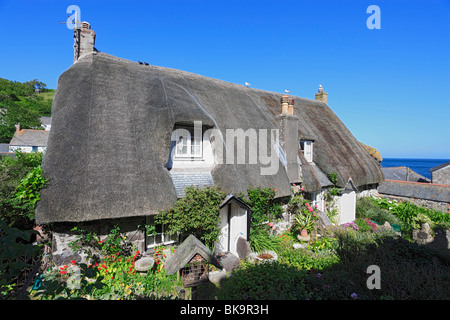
(307, 149)
(188, 142)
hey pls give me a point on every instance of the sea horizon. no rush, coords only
(421, 166)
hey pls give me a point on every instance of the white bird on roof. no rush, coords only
(247, 84)
(287, 91)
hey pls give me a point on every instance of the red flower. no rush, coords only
(73, 262)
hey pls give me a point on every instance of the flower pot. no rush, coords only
(304, 233)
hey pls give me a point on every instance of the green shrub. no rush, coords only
(262, 240)
(21, 178)
(16, 253)
(263, 204)
(197, 213)
(363, 226)
(265, 281)
(367, 207)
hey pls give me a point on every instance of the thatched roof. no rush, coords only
(112, 121)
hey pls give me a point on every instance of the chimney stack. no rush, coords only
(291, 106)
(321, 96)
(284, 104)
(289, 138)
(84, 40)
(18, 127)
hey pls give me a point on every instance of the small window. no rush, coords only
(307, 149)
(160, 237)
(187, 144)
(34, 148)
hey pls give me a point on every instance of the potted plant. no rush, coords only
(305, 223)
(303, 212)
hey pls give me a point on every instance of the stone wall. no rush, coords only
(434, 205)
(62, 237)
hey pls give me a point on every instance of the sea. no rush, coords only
(420, 166)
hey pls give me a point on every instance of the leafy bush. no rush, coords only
(261, 240)
(263, 204)
(22, 180)
(16, 252)
(197, 213)
(265, 281)
(367, 207)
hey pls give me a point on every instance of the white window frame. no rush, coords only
(151, 241)
(307, 149)
(187, 135)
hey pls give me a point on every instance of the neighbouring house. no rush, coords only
(127, 138)
(427, 195)
(46, 123)
(441, 174)
(403, 174)
(28, 140)
(4, 150)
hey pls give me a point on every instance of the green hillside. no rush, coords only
(20, 103)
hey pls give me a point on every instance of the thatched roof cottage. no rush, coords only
(125, 136)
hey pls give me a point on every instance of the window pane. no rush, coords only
(172, 237)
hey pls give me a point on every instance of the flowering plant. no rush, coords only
(351, 225)
(305, 214)
(372, 225)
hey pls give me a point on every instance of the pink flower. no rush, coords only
(270, 224)
(303, 189)
(310, 209)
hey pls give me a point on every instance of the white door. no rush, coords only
(348, 206)
(233, 224)
(238, 227)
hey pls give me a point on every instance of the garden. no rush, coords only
(311, 263)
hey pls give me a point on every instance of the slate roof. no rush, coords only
(112, 121)
(416, 190)
(30, 138)
(4, 147)
(181, 180)
(402, 173)
(440, 166)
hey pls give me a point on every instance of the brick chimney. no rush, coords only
(289, 138)
(284, 104)
(291, 106)
(321, 96)
(84, 40)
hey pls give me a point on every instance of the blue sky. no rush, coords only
(390, 86)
